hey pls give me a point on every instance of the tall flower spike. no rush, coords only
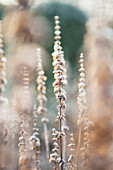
(71, 146)
(81, 103)
(59, 83)
(35, 139)
(83, 122)
(41, 79)
(24, 147)
(82, 92)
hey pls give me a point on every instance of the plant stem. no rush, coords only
(79, 144)
(46, 140)
(61, 136)
(64, 143)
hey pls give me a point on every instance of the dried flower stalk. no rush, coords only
(83, 121)
(41, 79)
(81, 103)
(71, 146)
(35, 139)
(59, 83)
(24, 147)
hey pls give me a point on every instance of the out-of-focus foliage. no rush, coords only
(73, 27)
(1, 11)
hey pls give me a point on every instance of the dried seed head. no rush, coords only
(71, 146)
(54, 156)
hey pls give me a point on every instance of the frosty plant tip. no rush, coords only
(59, 83)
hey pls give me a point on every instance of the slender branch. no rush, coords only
(41, 79)
(82, 104)
(79, 145)
(24, 146)
(83, 121)
(35, 140)
(46, 140)
(61, 136)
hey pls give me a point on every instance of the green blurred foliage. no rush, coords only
(73, 22)
(2, 7)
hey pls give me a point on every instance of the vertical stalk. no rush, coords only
(46, 140)
(61, 136)
(83, 121)
(79, 144)
(60, 81)
(41, 81)
(35, 140)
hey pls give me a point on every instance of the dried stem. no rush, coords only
(35, 140)
(79, 145)
(46, 140)
(41, 79)
(24, 147)
(61, 136)
(81, 103)
(60, 81)
(65, 128)
(83, 121)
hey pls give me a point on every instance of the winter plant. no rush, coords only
(76, 143)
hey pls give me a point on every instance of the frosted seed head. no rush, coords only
(81, 55)
(57, 32)
(81, 60)
(57, 27)
(56, 17)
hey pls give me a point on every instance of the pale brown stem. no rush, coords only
(46, 140)
(61, 154)
(64, 144)
(79, 144)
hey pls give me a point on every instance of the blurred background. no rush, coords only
(34, 27)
